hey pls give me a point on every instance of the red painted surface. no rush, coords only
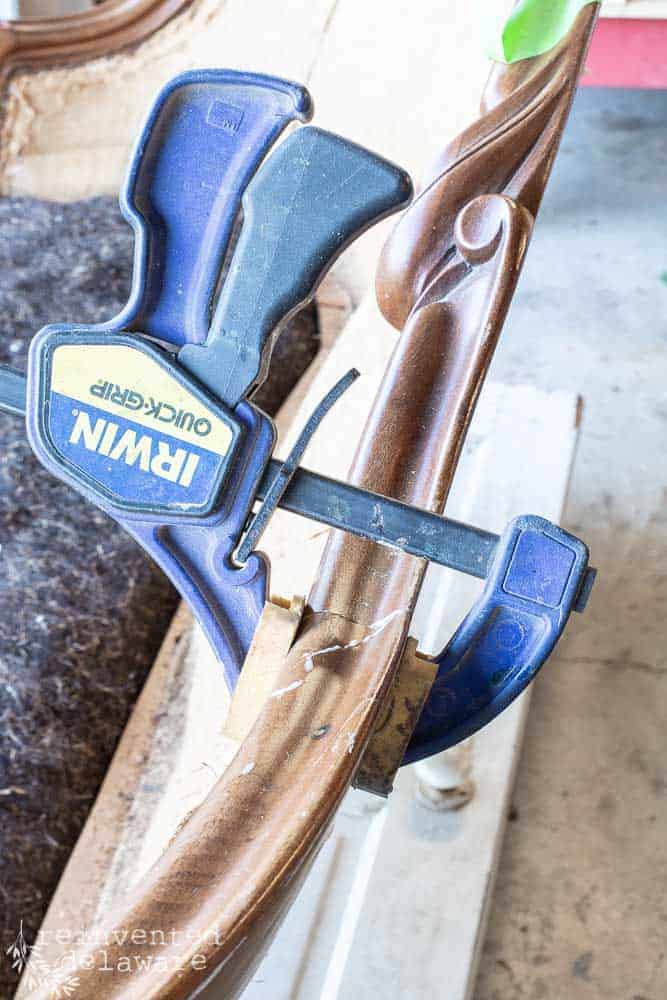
(627, 52)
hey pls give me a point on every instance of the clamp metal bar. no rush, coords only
(341, 505)
(380, 519)
(12, 391)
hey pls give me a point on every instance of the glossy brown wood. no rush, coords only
(509, 150)
(446, 279)
(107, 28)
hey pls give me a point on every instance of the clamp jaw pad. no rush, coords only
(535, 582)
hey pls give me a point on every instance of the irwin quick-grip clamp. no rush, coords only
(149, 415)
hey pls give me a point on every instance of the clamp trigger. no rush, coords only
(290, 466)
(203, 140)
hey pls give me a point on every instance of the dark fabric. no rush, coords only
(82, 611)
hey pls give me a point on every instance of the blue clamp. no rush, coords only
(150, 414)
(539, 575)
(232, 236)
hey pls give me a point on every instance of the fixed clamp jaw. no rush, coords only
(149, 415)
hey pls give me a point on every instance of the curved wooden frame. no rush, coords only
(114, 25)
(446, 278)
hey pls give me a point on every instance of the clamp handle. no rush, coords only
(113, 414)
(205, 136)
(226, 599)
(313, 196)
(115, 417)
(537, 578)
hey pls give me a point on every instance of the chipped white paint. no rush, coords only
(309, 658)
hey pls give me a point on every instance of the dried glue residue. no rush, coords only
(375, 629)
(290, 687)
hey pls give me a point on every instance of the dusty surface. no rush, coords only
(82, 611)
(580, 908)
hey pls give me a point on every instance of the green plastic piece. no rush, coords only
(534, 27)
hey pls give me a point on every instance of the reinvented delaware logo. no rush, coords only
(36, 973)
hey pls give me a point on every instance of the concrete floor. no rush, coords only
(580, 908)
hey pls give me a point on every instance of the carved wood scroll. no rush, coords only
(446, 279)
(113, 25)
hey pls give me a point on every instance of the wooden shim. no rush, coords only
(272, 641)
(387, 746)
